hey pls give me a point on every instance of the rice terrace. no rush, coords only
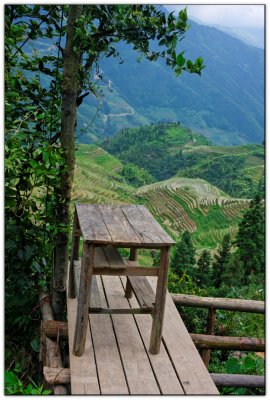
(134, 199)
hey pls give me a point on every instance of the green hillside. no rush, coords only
(225, 103)
(194, 205)
(165, 150)
(179, 204)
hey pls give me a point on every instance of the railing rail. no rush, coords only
(208, 341)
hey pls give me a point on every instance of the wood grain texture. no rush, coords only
(84, 298)
(110, 371)
(145, 225)
(187, 362)
(118, 225)
(84, 379)
(252, 306)
(140, 377)
(160, 300)
(143, 291)
(56, 376)
(161, 364)
(91, 224)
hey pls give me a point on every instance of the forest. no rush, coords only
(214, 194)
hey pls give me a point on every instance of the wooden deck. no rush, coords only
(116, 359)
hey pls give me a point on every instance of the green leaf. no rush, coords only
(233, 366)
(180, 60)
(249, 363)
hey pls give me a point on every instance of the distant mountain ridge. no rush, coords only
(226, 103)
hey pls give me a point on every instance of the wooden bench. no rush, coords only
(105, 228)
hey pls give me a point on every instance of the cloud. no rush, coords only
(226, 15)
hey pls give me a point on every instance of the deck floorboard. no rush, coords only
(117, 359)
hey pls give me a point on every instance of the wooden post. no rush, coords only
(158, 312)
(133, 257)
(52, 356)
(84, 298)
(209, 331)
(74, 256)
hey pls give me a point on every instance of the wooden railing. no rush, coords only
(207, 342)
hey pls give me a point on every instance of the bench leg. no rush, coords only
(128, 291)
(158, 312)
(133, 257)
(84, 299)
(74, 256)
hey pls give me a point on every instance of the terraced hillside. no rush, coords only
(179, 204)
(194, 205)
(97, 177)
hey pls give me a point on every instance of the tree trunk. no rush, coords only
(68, 121)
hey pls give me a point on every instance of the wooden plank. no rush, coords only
(118, 226)
(91, 224)
(132, 271)
(95, 300)
(146, 227)
(120, 310)
(114, 259)
(160, 300)
(83, 299)
(187, 362)
(163, 369)
(140, 377)
(110, 371)
(143, 291)
(100, 259)
(84, 379)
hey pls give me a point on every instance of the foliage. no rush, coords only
(202, 274)
(13, 385)
(136, 176)
(149, 147)
(183, 256)
(221, 260)
(250, 239)
(166, 149)
(228, 173)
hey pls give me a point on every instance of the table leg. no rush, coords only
(158, 312)
(133, 257)
(74, 256)
(84, 299)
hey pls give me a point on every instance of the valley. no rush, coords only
(180, 202)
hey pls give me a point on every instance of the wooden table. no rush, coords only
(103, 229)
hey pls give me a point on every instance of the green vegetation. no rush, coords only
(13, 385)
(169, 149)
(183, 258)
(250, 239)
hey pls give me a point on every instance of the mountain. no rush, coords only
(225, 103)
(249, 35)
(165, 150)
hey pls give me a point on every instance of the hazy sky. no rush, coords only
(226, 15)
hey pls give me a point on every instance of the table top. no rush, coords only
(123, 225)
